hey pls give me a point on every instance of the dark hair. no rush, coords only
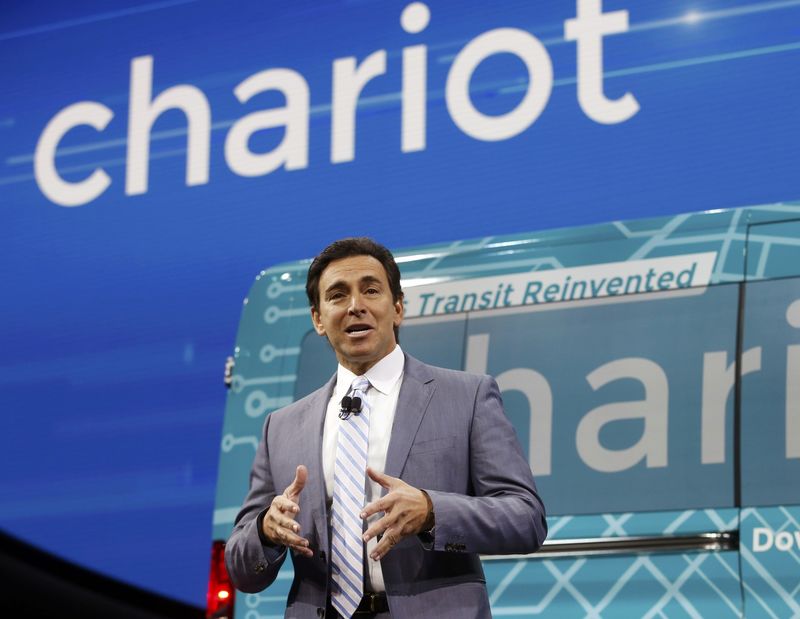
(345, 248)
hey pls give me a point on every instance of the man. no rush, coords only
(387, 483)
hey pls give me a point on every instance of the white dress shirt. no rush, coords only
(385, 378)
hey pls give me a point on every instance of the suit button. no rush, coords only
(322, 555)
(259, 567)
(320, 612)
(449, 547)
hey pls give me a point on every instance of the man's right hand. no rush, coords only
(279, 524)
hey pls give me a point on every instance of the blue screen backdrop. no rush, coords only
(123, 282)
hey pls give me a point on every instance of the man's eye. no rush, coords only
(372, 291)
(335, 296)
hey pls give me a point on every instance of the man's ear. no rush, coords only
(399, 311)
(317, 322)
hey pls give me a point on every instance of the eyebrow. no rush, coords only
(339, 284)
(370, 279)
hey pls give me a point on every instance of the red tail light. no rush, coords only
(221, 593)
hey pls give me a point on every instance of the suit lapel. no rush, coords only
(412, 403)
(310, 448)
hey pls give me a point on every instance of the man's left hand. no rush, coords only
(405, 513)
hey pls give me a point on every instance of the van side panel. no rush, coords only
(770, 523)
(624, 405)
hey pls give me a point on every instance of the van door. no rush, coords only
(770, 422)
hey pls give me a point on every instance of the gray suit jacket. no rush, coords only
(451, 438)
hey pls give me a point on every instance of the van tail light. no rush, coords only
(221, 593)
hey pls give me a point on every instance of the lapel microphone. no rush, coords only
(348, 406)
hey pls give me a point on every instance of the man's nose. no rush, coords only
(356, 304)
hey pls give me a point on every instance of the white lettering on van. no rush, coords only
(718, 381)
(537, 392)
(793, 401)
(652, 446)
(765, 539)
(793, 386)
(717, 385)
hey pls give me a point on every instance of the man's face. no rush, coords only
(356, 312)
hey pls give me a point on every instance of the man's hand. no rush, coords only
(279, 525)
(406, 511)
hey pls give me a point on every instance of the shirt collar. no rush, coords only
(382, 376)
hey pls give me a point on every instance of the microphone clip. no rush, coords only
(348, 406)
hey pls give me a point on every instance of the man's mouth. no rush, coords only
(356, 330)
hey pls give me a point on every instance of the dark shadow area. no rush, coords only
(41, 584)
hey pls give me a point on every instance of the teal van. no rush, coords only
(652, 371)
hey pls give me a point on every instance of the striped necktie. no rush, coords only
(347, 558)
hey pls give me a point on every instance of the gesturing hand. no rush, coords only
(279, 524)
(406, 511)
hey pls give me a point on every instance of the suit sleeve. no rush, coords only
(504, 514)
(253, 565)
